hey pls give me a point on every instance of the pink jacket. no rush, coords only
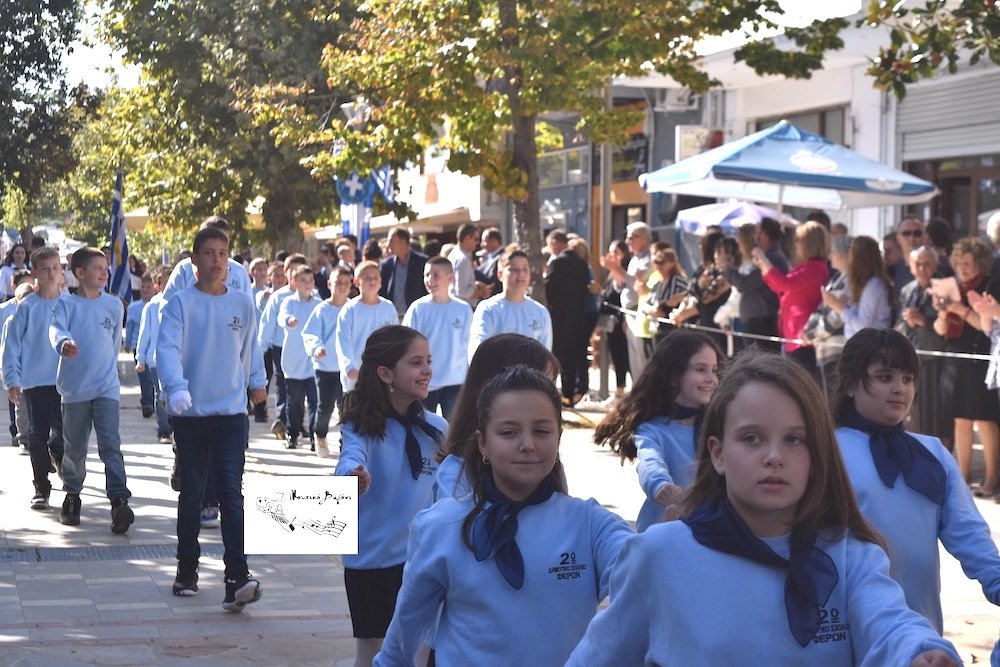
(799, 294)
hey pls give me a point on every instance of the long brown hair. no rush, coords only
(864, 262)
(654, 393)
(518, 378)
(366, 407)
(828, 502)
(492, 357)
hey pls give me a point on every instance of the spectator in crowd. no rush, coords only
(670, 289)
(939, 234)
(461, 257)
(909, 235)
(708, 288)
(16, 260)
(963, 381)
(825, 327)
(372, 251)
(486, 272)
(566, 290)
(799, 290)
(402, 272)
(630, 282)
(838, 230)
(892, 256)
(617, 257)
(758, 304)
(325, 263)
(869, 300)
(592, 310)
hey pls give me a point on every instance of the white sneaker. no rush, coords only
(322, 450)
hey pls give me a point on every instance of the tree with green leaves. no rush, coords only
(486, 70)
(195, 149)
(37, 114)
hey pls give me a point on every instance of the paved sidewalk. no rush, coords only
(83, 596)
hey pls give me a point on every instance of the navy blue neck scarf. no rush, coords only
(895, 451)
(812, 574)
(682, 412)
(415, 417)
(494, 529)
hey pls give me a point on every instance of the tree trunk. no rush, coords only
(527, 221)
(280, 222)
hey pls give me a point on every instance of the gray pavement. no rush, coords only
(83, 596)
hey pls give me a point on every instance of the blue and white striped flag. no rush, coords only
(119, 280)
(383, 183)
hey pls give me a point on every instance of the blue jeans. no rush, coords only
(162, 418)
(331, 393)
(443, 396)
(301, 392)
(147, 382)
(103, 413)
(45, 434)
(219, 440)
(280, 390)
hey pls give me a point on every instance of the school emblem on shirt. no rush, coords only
(427, 466)
(457, 323)
(237, 324)
(833, 627)
(536, 325)
(108, 324)
(568, 568)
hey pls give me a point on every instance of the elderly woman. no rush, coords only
(868, 301)
(800, 290)
(916, 322)
(825, 327)
(963, 381)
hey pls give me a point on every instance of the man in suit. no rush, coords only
(487, 281)
(566, 281)
(402, 272)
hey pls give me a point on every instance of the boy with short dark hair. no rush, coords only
(29, 371)
(207, 356)
(300, 381)
(446, 323)
(86, 332)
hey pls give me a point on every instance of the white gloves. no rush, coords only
(179, 401)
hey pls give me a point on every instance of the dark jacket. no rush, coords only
(414, 277)
(566, 293)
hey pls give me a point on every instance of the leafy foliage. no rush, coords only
(931, 38)
(37, 111)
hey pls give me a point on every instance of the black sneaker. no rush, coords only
(240, 592)
(147, 412)
(70, 510)
(40, 501)
(186, 581)
(292, 442)
(122, 516)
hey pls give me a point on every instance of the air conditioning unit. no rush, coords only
(676, 99)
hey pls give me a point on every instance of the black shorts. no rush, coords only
(371, 596)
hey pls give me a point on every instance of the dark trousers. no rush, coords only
(146, 390)
(583, 366)
(762, 326)
(301, 393)
(280, 388)
(44, 430)
(618, 347)
(446, 397)
(331, 394)
(219, 441)
(569, 347)
(260, 409)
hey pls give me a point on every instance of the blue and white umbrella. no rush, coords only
(729, 216)
(788, 166)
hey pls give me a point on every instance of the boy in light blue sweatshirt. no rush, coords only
(86, 331)
(29, 371)
(446, 323)
(207, 356)
(145, 351)
(359, 319)
(319, 334)
(300, 381)
(133, 320)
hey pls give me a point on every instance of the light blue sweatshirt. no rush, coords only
(497, 315)
(355, 323)
(269, 334)
(569, 547)
(320, 331)
(133, 319)
(394, 497)
(208, 346)
(912, 525)
(295, 363)
(451, 483)
(149, 327)
(183, 277)
(96, 327)
(6, 314)
(677, 602)
(28, 358)
(446, 326)
(665, 456)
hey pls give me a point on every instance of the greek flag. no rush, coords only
(383, 183)
(119, 280)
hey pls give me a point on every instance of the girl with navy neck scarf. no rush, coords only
(388, 442)
(772, 562)
(908, 485)
(657, 421)
(512, 574)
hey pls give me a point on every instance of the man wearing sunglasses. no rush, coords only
(909, 235)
